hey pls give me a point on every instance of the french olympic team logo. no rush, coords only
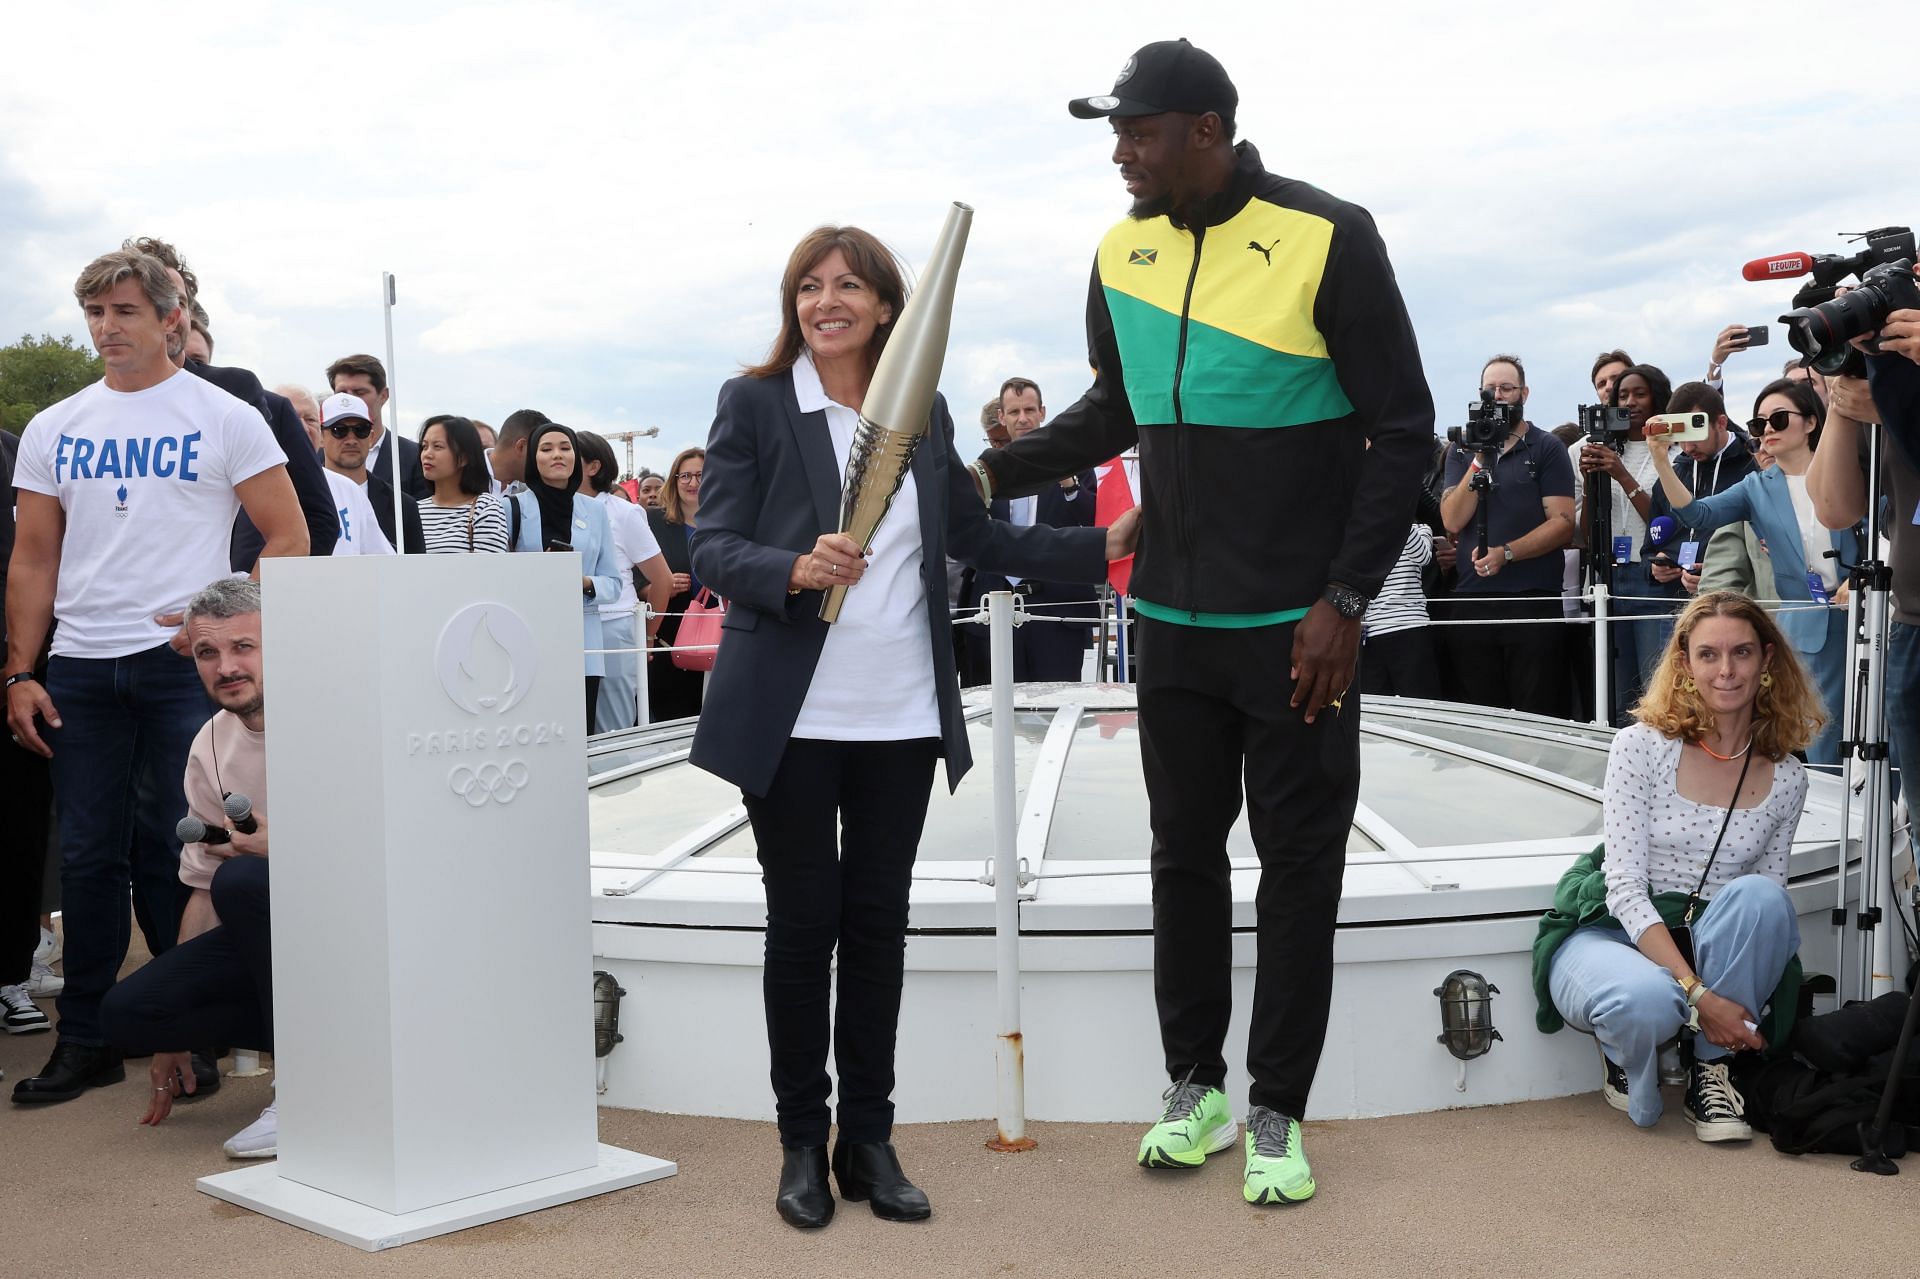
(486, 658)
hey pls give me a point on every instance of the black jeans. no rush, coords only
(1522, 667)
(23, 857)
(837, 833)
(1400, 664)
(1213, 704)
(216, 988)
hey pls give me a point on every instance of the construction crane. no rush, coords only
(628, 437)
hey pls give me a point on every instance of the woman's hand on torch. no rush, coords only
(835, 560)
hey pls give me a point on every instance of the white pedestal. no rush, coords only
(264, 1190)
(432, 950)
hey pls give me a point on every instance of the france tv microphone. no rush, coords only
(240, 813)
(191, 830)
(1781, 266)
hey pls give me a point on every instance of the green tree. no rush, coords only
(36, 372)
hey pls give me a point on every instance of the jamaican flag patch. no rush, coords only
(1143, 257)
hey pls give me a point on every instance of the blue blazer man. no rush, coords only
(1048, 650)
(593, 538)
(1762, 500)
(773, 488)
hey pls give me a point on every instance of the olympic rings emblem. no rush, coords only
(496, 782)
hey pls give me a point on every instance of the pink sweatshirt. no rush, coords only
(227, 759)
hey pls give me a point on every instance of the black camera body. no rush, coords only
(1601, 424)
(1489, 423)
(1821, 325)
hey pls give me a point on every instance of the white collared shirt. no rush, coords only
(874, 681)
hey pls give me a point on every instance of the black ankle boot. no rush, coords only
(871, 1170)
(805, 1200)
(71, 1070)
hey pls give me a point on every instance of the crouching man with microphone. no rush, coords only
(216, 985)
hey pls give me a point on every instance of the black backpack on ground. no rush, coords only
(1815, 1101)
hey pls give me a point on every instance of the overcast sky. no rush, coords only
(588, 206)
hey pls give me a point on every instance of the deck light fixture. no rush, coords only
(606, 1013)
(1466, 1014)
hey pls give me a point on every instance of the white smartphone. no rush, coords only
(1679, 428)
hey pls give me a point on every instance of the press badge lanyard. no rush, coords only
(1690, 549)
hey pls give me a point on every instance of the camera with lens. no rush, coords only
(1821, 324)
(1601, 424)
(1489, 423)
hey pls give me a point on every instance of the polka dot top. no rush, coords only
(1658, 841)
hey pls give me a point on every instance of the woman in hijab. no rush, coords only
(553, 515)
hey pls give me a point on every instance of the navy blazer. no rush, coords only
(309, 485)
(1055, 508)
(772, 488)
(1762, 500)
(413, 479)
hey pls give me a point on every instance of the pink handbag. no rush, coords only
(697, 642)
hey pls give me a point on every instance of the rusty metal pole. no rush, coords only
(1009, 1048)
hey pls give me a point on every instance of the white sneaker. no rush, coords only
(42, 981)
(18, 1013)
(259, 1139)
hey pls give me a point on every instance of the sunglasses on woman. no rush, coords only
(360, 430)
(1777, 420)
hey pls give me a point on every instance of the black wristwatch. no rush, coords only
(21, 677)
(1348, 602)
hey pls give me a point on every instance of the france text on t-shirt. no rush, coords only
(359, 527)
(146, 479)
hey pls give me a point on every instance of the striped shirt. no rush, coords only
(449, 528)
(1402, 604)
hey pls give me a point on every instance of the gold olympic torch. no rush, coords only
(899, 399)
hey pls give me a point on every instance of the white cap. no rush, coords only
(343, 408)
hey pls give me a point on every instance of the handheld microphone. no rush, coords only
(1660, 530)
(1781, 266)
(240, 813)
(191, 830)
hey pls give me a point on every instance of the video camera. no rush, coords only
(1601, 424)
(1821, 325)
(1489, 423)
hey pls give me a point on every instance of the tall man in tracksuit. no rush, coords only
(1248, 336)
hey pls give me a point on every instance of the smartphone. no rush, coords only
(1756, 335)
(1678, 428)
(555, 544)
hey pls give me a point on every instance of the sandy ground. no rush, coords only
(1551, 1188)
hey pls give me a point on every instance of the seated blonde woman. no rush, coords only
(1702, 798)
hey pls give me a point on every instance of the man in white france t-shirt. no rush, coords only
(359, 526)
(127, 493)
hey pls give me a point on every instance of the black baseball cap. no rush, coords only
(1167, 75)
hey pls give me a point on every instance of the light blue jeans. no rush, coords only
(619, 687)
(1603, 985)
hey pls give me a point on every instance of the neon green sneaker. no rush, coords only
(1277, 1171)
(1196, 1123)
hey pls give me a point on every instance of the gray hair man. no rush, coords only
(127, 493)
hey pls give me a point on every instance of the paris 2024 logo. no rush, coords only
(486, 661)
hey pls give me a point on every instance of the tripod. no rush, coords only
(1599, 423)
(1864, 739)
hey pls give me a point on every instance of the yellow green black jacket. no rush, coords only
(1250, 357)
